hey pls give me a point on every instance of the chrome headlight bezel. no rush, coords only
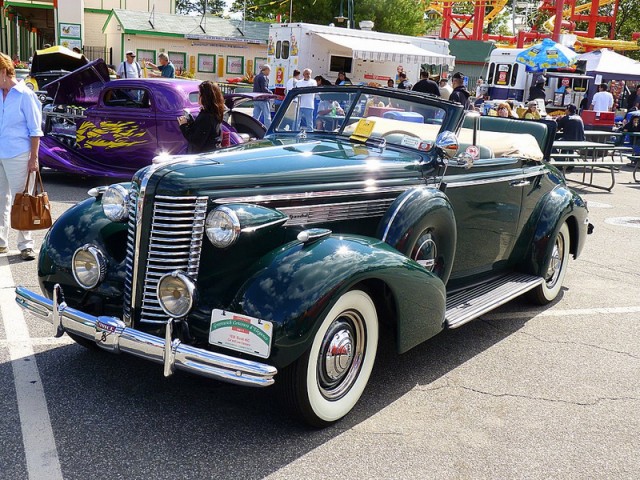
(92, 276)
(182, 304)
(115, 203)
(222, 227)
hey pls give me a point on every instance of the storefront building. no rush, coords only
(208, 47)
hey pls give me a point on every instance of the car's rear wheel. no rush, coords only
(556, 269)
(326, 382)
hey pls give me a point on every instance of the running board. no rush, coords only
(466, 305)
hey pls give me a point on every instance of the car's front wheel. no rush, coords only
(326, 382)
(556, 270)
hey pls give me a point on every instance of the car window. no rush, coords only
(193, 97)
(398, 121)
(127, 97)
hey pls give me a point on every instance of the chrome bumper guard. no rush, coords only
(111, 334)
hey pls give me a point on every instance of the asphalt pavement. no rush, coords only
(524, 392)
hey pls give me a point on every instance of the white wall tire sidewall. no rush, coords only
(330, 411)
(551, 293)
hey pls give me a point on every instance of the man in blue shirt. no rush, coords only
(167, 70)
(261, 84)
(20, 132)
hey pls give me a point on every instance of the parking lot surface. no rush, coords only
(524, 392)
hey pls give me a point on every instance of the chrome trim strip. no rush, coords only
(489, 180)
(315, 194)
(111, 334)
(255, 228)
(395, 213)
(332, 212)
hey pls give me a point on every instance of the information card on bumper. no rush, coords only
(241, 333)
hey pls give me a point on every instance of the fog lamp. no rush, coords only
(89, 266)
(176, 292)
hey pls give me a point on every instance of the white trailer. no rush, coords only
(364, 55)
(507, 78)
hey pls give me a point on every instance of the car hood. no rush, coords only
(56, 58)
(286, 164)
(80, 87)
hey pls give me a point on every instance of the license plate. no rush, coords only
(241, 333)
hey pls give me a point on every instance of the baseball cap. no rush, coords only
(130, 52)
(265, 66)
(458, 75)
(531, 103)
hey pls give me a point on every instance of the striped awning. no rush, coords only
(387, 51)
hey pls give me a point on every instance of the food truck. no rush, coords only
(508, 79)
(364, 55)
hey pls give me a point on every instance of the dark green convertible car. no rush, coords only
(364, 215)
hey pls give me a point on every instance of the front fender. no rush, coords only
(559, 206)
(81, 224)
(295, 286)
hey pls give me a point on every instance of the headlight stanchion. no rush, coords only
(222, 227)
(115, 203)
(89, 266)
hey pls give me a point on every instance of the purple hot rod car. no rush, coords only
(94, 126)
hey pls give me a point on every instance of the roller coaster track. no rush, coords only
(620, 45)
(496, 6)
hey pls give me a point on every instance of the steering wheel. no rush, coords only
(399, 132)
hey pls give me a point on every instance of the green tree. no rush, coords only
(185, 7)
(392, 16)
(628, 22)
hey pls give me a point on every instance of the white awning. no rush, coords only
(387, 51)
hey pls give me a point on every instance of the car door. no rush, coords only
(486, 199)
(120, 132)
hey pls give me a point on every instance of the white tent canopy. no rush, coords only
(387, 51)
(611, 65)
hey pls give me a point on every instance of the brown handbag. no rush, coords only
(31, 212)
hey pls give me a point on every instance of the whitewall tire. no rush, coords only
(325, 384)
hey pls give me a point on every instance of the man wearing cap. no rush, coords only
(261, 85)
(537, 90)
(571, 125)
(460, 94)
(129, 68)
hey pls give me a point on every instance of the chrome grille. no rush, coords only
(175, 243)
(131, 238)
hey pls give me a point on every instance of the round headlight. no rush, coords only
(222, 227)
(89, 266)
(114, 203)
(176, 293)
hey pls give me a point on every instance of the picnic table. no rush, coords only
(602, 136)
(588, 155)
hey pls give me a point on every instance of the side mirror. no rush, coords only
(447, 143)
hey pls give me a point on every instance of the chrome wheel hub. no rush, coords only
(341, 355)
(555, 265)
(426, 252)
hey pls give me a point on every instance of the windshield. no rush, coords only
(397, 118)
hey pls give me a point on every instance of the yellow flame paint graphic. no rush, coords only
(110, 135)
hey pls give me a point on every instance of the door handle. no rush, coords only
(519, 183)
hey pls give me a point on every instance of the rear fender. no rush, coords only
(559, 206)
(296, 285)
(416, 211)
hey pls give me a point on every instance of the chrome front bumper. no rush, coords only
(110, 333)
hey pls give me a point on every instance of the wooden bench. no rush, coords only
(612, 166)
